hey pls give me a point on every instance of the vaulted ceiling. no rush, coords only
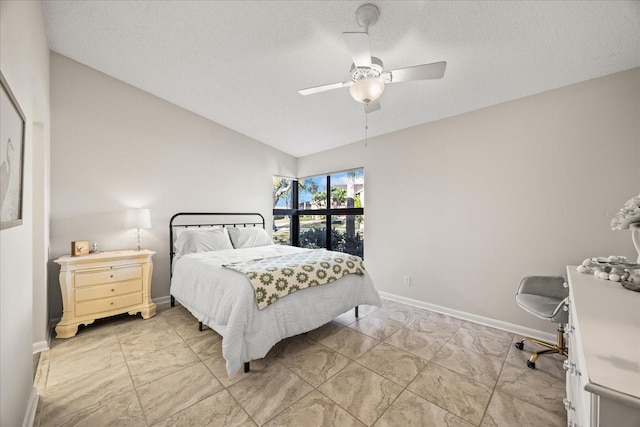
(241, 63)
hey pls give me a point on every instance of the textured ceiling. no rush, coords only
(240, 63)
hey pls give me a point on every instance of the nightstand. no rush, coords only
(104, 284)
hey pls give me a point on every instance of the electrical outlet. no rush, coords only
(407, 280)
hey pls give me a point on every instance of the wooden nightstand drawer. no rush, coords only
(107, 275)
(108, 290)
(108, 304)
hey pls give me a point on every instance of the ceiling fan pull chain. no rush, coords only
(366, 124)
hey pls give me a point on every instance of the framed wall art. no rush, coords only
(12, 129)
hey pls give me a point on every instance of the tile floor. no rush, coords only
(394, 366)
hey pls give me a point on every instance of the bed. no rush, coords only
(206, 247)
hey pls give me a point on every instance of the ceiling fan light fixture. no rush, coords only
(367, 90)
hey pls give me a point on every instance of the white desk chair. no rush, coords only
(547, 298)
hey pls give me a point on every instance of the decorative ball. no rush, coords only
(603, 275)
(614, 277)
(613, 258)
(587, 262)
(584, 269)
(597, 271)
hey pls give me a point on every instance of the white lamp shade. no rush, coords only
(367, 90)
(138, 218)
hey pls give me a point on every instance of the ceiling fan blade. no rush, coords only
(419, 72)
(358, 45)
(372, 106)
(324, 88)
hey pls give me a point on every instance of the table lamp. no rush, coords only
(138, 218)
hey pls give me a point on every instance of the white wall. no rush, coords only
(469, 205)
(24, 61)
(114, 146)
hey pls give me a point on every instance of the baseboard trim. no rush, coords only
(40, 346)
(162, 300)
(32, 408)
(498, 324)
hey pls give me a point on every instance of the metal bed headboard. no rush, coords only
(201, 219)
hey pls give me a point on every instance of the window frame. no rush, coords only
(295, 213)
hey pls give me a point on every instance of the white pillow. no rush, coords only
(193, 240)
(177, 230)
(249, 237)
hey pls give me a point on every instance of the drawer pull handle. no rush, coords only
(567, 404)
(570, 368)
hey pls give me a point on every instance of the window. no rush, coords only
(282, 229)
(307, 215)
(282, 209)
(347, 234)
(347, 189)
(282, 194)
(312, 193)
(313, 231)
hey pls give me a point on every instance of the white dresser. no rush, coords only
(603, 368)
(104, 284)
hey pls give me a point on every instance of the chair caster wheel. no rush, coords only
(531, 364)
(519, 345)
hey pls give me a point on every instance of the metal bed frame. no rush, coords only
(179, 220)
(199, 224)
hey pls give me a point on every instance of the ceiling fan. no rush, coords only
(368, 78)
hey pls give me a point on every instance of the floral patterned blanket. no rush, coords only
(275, 277)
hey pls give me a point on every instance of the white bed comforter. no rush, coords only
(225, 300)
